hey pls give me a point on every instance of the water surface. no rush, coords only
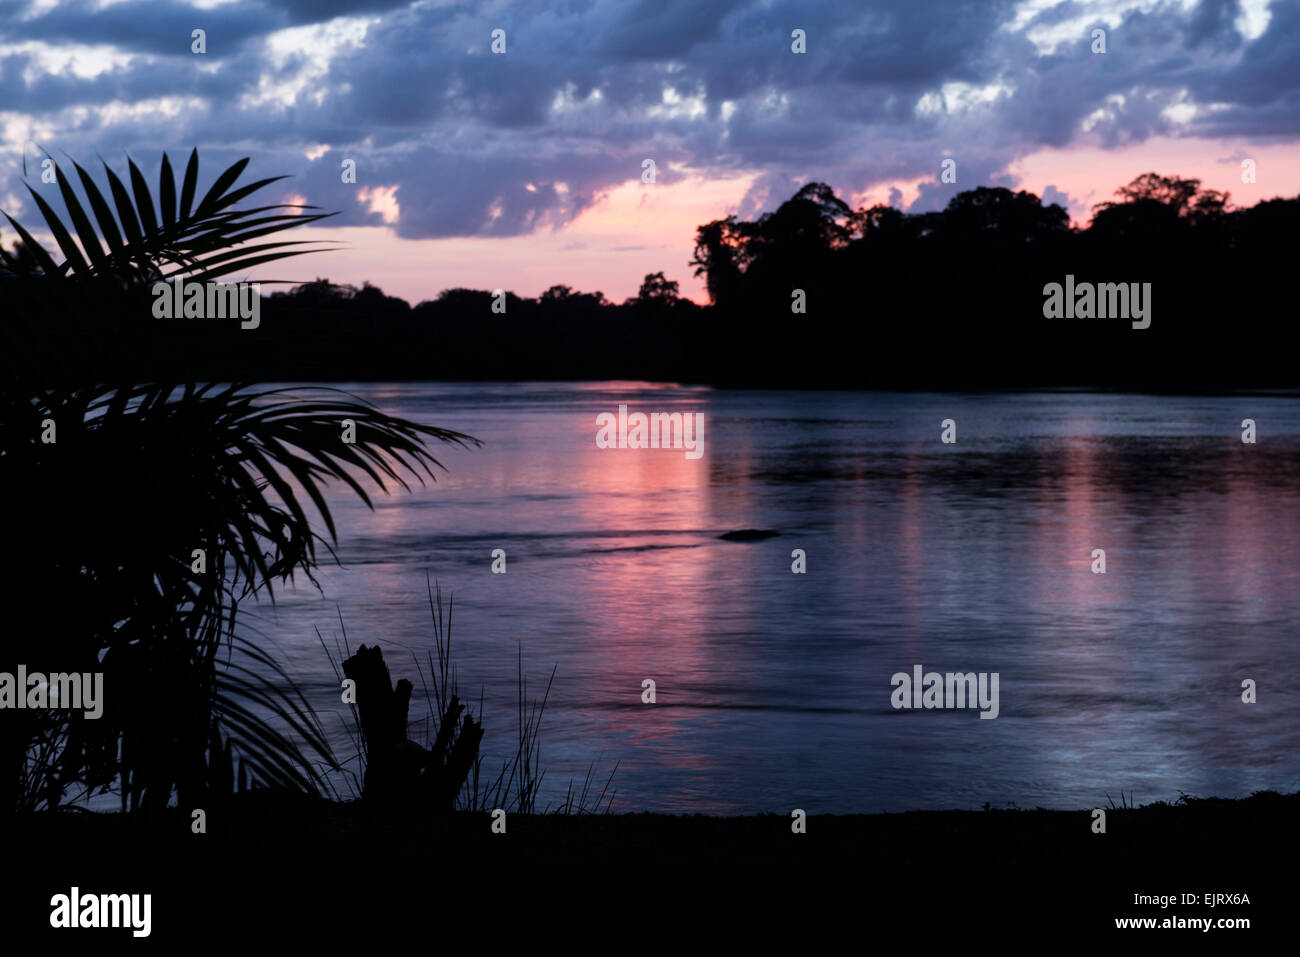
(773, 689)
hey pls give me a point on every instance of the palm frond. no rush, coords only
(147, 473)
(180, 239)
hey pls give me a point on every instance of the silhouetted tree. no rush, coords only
(657, 291)
(715, 258)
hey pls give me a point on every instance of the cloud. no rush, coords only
(452, 140)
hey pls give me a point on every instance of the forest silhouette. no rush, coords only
(947, 299)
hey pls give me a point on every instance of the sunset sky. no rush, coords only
(523, 169)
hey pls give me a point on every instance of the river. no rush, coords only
(773, 689)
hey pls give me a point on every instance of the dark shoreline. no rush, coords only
(272, 855)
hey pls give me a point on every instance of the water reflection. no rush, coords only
(773, 688)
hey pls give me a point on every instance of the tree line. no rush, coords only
(817, 294)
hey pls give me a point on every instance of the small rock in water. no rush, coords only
(747, 535)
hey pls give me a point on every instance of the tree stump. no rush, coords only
(397, 768)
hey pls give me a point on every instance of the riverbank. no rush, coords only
(322, 868)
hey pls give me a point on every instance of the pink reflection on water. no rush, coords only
(911, 543)
(650, 599)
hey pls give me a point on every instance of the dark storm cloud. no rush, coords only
(149, 26)
(665, 29)
(460, 194)
(146, 26)
(588, 90)
(1263, 85)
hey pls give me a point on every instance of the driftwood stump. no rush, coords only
(397, 768)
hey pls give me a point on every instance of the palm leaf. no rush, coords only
(167, 193)
(224, 182)
(80, 221)
(75, 259)
(237, 471)
(190, 182)
(202, 242)
(43, 259)
(103, 215)
(125, 211)
(143, 201)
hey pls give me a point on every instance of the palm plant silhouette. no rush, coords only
(140, 514)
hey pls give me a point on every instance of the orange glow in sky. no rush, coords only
(639, 228)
